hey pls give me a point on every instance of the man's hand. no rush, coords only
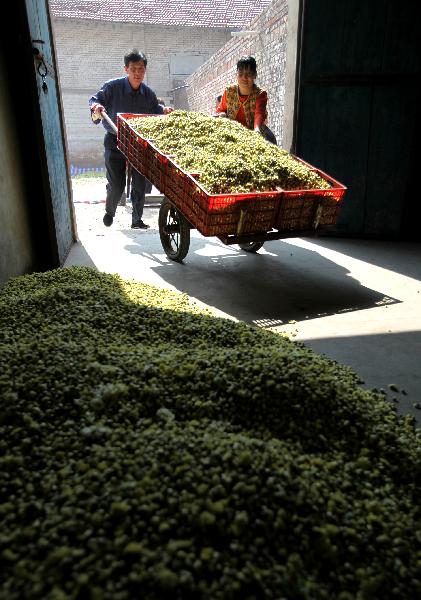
(168, 110)
(96, 110)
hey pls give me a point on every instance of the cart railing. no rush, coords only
(230, 214)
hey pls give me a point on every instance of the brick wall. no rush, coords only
(91, 52)
(268, 46)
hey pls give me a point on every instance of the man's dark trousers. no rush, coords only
(115, 164)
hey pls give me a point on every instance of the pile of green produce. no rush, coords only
(228, 156)
(150, 450)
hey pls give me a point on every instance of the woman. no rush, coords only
(245, 102)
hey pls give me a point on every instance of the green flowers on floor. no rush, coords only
(229, 157)
(150, 450)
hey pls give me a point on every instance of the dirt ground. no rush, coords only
(89, 205)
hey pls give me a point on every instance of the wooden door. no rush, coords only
(57, 186)
(358, 102)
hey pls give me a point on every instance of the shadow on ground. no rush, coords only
(81, 256)
(399, 257)
(376, 358)
(279, 284)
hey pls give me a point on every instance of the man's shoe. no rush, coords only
(107, 220)
(140, 225)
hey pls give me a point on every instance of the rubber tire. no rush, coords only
(177, 242)
(251, 246)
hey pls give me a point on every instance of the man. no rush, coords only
(126, 95)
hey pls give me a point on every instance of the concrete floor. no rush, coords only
(356, 301)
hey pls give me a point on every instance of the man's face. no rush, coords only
(136, 72)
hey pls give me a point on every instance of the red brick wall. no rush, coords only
(268, 46)
(90, 52)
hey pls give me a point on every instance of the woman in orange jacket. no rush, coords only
(245, 102)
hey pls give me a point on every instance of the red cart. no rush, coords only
(245, 219)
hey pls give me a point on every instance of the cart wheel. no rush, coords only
(251, 246)
(174, 231)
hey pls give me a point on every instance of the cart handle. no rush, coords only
(109, 121)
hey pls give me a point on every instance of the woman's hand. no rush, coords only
(221, 114)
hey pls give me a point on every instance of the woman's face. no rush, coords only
(245, 79)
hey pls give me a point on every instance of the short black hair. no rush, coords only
(247, 63)
(219, 98)
(134, 56)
